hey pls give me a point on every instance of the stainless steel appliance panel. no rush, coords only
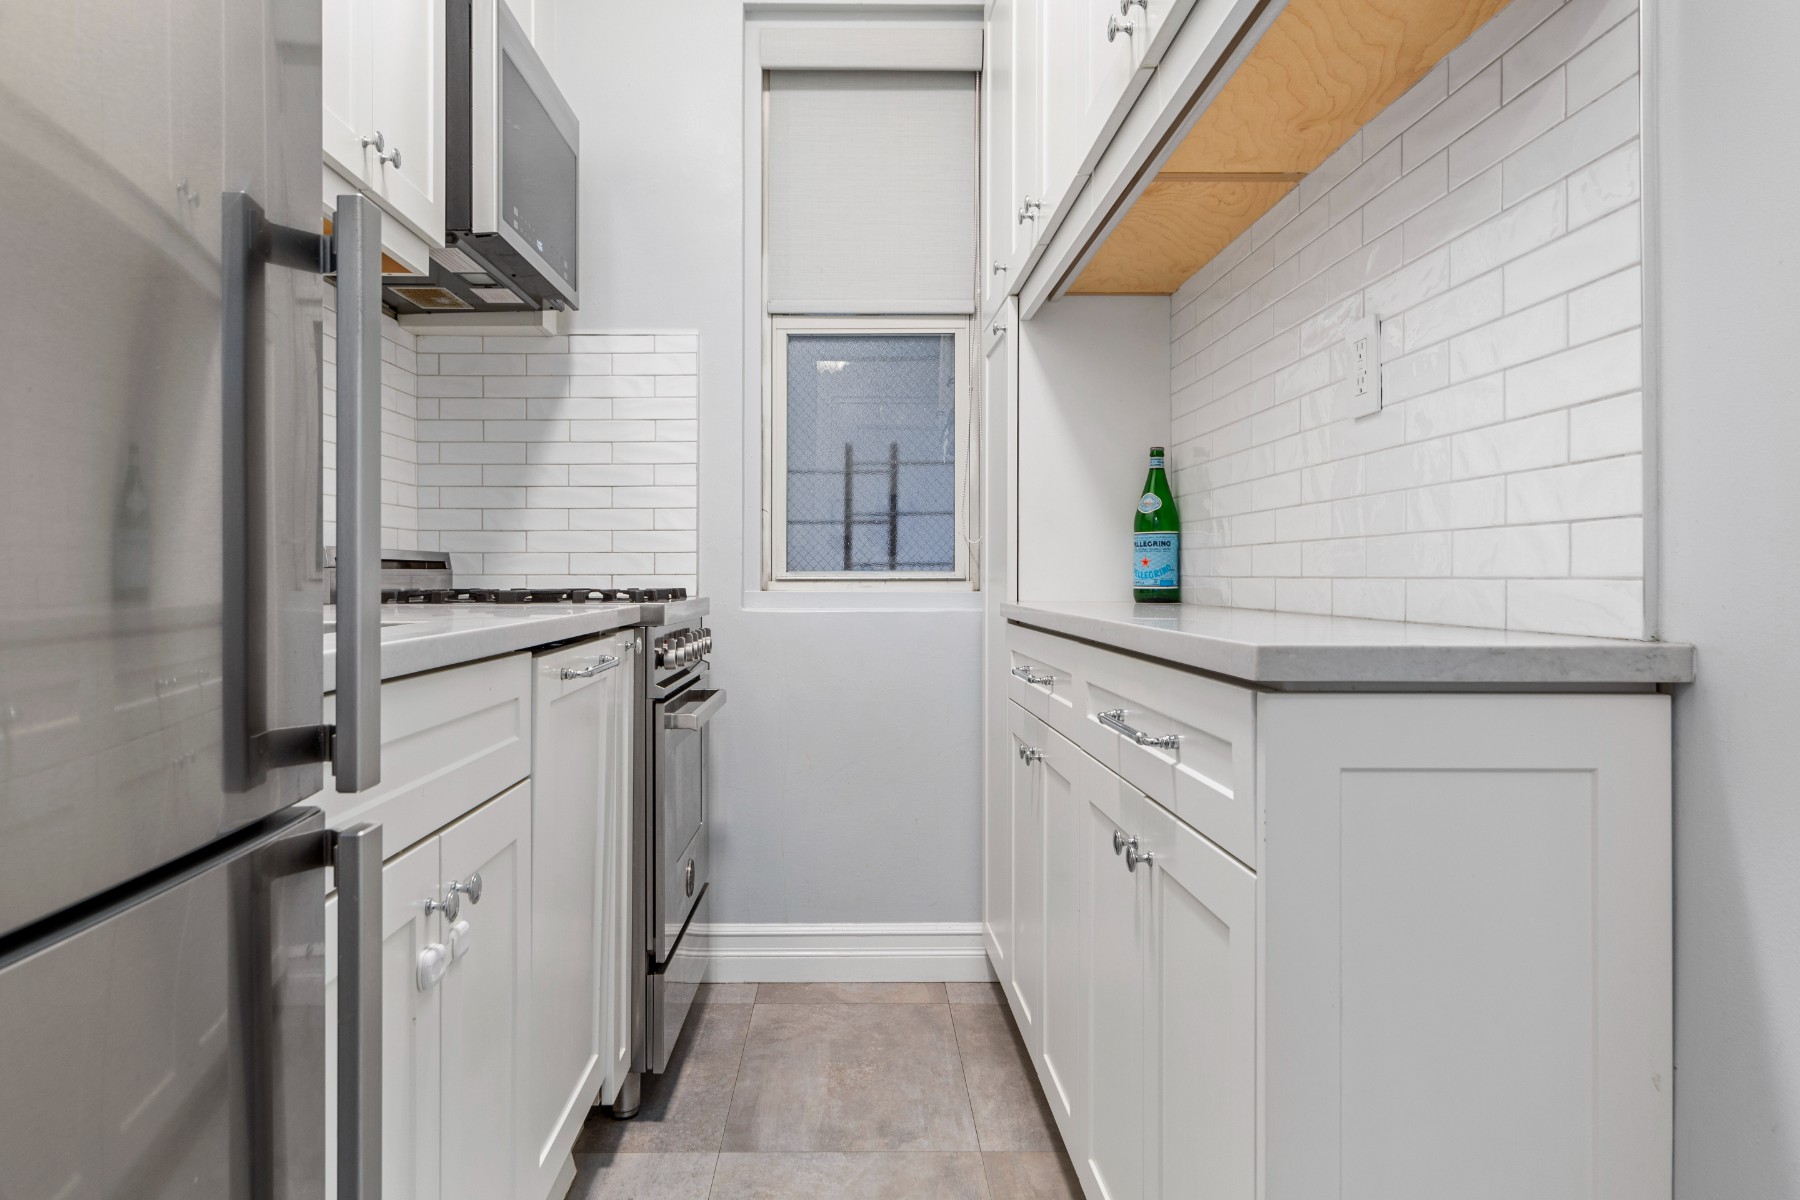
(170, 1045)
(671, 993)
(138, 476)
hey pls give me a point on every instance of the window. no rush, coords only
(869, 415)
(869, 240)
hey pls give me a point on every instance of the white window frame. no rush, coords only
(776, 576)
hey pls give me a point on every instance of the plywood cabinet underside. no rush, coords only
(1320, 73)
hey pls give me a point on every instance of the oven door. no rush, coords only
(680, 810)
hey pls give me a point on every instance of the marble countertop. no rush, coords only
(1297, 650)
(419, 637)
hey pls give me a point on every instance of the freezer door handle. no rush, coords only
(356, 246)
(356, 863)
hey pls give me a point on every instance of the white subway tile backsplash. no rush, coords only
(537, 455)
(1517, 230)
(1607, 487)
(1607, 427)
(1560, 39)
(1593, 607)
(1608, 122)
(1591, 252)
(1489, 217)
(1603, 368)
(1606, 306)
(1522, 119)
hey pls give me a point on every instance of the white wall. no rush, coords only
(1490, 218)
(1730, 433)
(844, 772)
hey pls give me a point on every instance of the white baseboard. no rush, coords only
(783, 953)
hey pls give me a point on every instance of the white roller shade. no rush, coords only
(870, 192)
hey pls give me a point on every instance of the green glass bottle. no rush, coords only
(1156, 544)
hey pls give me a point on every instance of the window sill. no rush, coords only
(950, 598)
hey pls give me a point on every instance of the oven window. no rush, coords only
(537, 174)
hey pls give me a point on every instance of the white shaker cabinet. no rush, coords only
(452, 981)
(1339, 943)
(1200, 1015)
(487, 858)
(1025, 982)
(383, 99)
(580, 721)
(412, 941)
(1090, 77)
(1012, 149)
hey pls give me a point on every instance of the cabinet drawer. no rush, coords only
(1058, 697)
(450, 740)
(1207, 774)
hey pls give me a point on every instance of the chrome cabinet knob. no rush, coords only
(1119, 841)
(450, 905)
(470, 887)
(688, 881)
(999, 267)
(392, 157)
(1134, 856)
(379, 141)
(1115, 26)
(1125, 6)
(1029, 209)
(1030, 754)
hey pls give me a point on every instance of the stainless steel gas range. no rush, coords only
(670, 830)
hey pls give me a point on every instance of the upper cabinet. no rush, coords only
(383, 83)
(1090, 77)
(1013, 147)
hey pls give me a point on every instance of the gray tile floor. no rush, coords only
(847, 1091)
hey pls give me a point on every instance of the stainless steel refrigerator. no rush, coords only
(162, 888)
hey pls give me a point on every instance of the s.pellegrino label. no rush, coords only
(1156, 539)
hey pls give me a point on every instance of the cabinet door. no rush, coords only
(1062, 1025)
(1201, 1014)
(1086, 78)
(562, 1015)
(407, 110)
(997, 88)
(1027, 140)
(617, 711)
(347, 86)
(483, 997)
(1157, 23)
(411, 1019)
(1114, 942)
(1028, 734)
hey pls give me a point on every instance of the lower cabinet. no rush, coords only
(1302, 944)
(453, 958)
(581, 713)
(1136, 992)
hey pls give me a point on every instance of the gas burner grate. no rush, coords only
(530, 595)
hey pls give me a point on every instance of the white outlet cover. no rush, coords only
(1362, 373)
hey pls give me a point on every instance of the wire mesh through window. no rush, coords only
(871, 453)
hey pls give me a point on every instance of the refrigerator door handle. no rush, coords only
(356, 864)
(356, 243)
(353, 250)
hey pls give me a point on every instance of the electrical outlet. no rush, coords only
(1362, 345)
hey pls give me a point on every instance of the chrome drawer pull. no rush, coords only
(1031, 677)
(605, 662)
(1114, 719)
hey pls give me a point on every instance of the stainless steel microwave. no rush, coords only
(511, 172)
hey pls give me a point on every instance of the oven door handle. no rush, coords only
(700, 714)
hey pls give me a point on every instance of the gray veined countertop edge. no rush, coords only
(1291, 649)
(417, 638)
